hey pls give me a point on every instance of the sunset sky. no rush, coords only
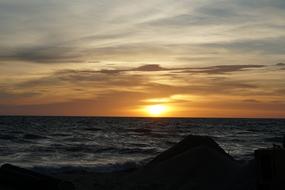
(189, 58)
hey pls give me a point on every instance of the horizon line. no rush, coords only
(161, 117)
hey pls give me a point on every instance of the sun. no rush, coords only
(156, 110)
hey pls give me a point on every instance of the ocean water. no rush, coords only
(106, 144)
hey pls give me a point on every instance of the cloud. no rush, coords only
(72, 51)
(251, 101)
(66, 32)
(143, 50)
(143, 68)
(103, 81)
(208, 15)
(136, 79)
(4, 95)
(281, 91)
(278, 4)
(266, 45)
(78, 92)
(78, 53)
(218, 69)
(44, 55)
(224, 69)
(121, 105)
(150, 67)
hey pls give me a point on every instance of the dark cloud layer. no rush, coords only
(266, 45)
(223, 69)
(123, 79)
(43, 55)
(219, 69)
(4, 95)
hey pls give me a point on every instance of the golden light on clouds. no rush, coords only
(161, 58)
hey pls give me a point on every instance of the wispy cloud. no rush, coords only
(66, 31)
(91, 83)
(116, 55)
(280, 64)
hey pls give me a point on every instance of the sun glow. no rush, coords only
(156, 110)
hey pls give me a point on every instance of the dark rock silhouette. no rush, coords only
(13, 177)
(197, 162)
(191, 141)
(270, 169)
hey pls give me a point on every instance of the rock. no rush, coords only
(270, 168)
(197, 162)
(187, 143)
(19, 178)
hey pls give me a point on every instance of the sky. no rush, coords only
(196, 58)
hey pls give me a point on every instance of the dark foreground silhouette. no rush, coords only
(195, 163)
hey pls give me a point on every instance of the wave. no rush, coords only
(33, 137)
(98, 168)
(91, 129)
(274, 139)
(128, 150)
(7, 137)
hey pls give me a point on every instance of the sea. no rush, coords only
(107, 144)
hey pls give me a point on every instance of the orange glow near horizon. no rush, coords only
(137, 59)
(156, 110)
